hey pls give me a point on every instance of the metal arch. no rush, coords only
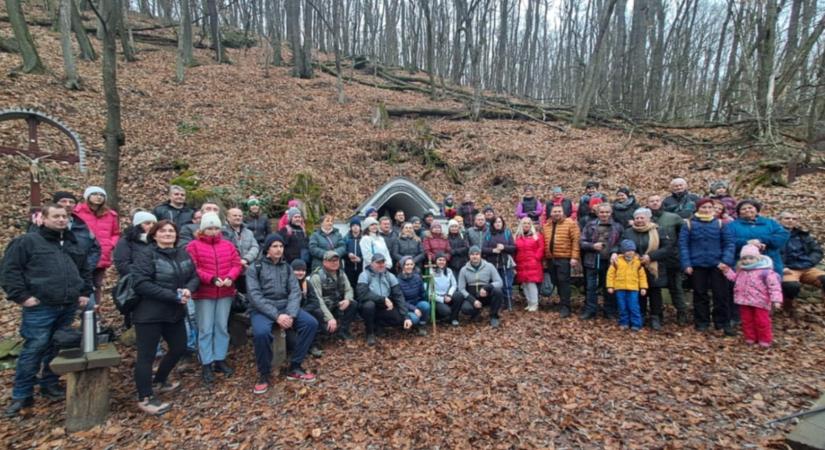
(24, 114)
(402, 186)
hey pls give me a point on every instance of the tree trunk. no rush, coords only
(765, 52)
(500, 61)
(66, 45)
(618, 61)
(337, 11)
(31, 60)
(113, 134)
(637, 59)
(87, 52)
(306, 53)
(125, 31)
(583, 106)
(427, 12)
(214, 29)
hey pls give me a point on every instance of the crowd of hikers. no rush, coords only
(189, 269)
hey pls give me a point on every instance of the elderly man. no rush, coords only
(330, 297)
(562, 252)
(599, 239)
(242, 237)
(480, 285)
(380, 299)
(275, 297)
(175, 208)
(48, 274)
(801, 255)
(680, 201)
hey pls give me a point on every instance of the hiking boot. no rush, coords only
(564, 312)
(681, 317)
(16, 405)
(729, 332)
(454, 322)
(422, 331)
(587, 315)
(207, 374)
(166, 387)
(315, 351)
(345, 335)
(370, 340)
(702, 327)
(635, 329)
(300, 375)
(152, 405)
(53, 392)
(262, 385)
(655, 323)
(222, 367)
(495, 322)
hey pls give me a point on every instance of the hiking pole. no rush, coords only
(430, 277)
(816, 410)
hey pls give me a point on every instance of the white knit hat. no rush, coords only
(93, 190)
(369, 221)
(141, 217)
(210, 220)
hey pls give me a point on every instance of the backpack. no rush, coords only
(124, 294)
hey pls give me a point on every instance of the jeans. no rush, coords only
(559, 270)
(629, 312)
(37, 327)
(756, 324)
(596, 279)
(147, 338)
(377, 314)
(425, 312)
(191, 324)
(704, 279)
(304, 325)
(213, 328)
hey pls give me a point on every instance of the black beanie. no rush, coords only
(60, 195)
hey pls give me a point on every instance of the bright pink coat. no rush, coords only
(214, 257)
(529, 255)
(106, 229)
(757, 287)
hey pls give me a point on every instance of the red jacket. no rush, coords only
(529, 255)
(106, 229)
(435, 244)
(214, 257)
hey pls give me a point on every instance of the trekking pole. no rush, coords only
(431, 291)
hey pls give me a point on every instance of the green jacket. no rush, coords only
(670, 223)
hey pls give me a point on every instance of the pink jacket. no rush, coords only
(756, 287)
(214, 257)
(529, 255)
(106, 229)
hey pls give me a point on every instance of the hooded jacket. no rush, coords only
(272, 289)
(259, 226)
(484, 275)
(127, 248)
(375, 287)
(320, 243)
(802, 251)
(244, 242)
(705, 244)
(178, 216)
(106, 229)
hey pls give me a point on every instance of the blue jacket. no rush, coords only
(768, 231)
(705, 244)
(413, 288)
(802, 251)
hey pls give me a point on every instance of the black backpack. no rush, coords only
(124, 294)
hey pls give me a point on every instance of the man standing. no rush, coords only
(175, 208)
(381, 300)
(275, 297)
(480, 285)
(242, 237)
(585, 210)
(558, 199)
(599, 239)
(475, 234)
(561, 236)
(671, 224)
(49, 275)
(85, 239)
(399, 219)
(801, 255)
(386, 231)
(680, 201)
(330, 298)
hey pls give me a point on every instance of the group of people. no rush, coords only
(190, 268)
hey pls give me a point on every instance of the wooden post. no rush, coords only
(431, 290)
(87, 398)
(279, 356)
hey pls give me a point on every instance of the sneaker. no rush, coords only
(765, 344)
(587, 315)
(166, 387)
(53, 392)
(261, 386)
(422, 331)
(207, 374)
(635, 329)
(315, 351)
(564, 312)
(454, 322)
(624, 327)
(495, 322)
(370, 340)
(655, 324)
(300, 375)
(16, 405)
(152, 405)
(532, 308)
(222, 367)
(750, 342)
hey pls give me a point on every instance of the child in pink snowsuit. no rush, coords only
(757, 288)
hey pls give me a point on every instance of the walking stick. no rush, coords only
(795, 415)
(431, 291)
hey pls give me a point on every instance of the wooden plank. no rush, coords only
(87, 399)
(809, 433)
(105, 356)
(63, 364)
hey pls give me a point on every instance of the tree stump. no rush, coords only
(279, 353)
(87, 389)
(238, 329)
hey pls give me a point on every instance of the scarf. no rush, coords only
(625, 205)
(704, 217)
(652, 245)
(763, 262)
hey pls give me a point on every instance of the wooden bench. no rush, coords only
(239, 325)
(87, 388)
(809, 433)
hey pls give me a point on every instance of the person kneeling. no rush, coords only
(330, 297)
(627, 278)
(480, 285)
(412, 286)
(275, 297)
(380, 298)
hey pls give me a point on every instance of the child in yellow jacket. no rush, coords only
(627, 279)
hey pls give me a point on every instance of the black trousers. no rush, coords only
(651, 302)
(559, 270)
(377, 314)
(492, 300)
(344, 318)
(449, 311)
(710, 278)
(147, 337)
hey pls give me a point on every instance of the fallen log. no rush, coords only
(453, 114)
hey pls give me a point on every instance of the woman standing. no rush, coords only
(498, 249)
(134, 241)
(459, 246)
(529, 256)
(325, 238)
(353, 264)
(436, 243)
(373, 243)
(104, 225)
(624, 206)
(218, 266)
(165, 278)
(408, 244)
(256, 221)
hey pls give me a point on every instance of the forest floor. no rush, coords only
(537, 382)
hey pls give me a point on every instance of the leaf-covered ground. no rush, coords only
(537, 382)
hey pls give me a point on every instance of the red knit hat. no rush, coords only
(703, 201)
(595, 201)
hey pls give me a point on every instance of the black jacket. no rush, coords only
(85, 239)
(127, 249)
(296, 244)
(802, 251)
(459, 251)
(259, 226)
(667, 245)
(159, 273)
(179, 217)
(40, 265)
